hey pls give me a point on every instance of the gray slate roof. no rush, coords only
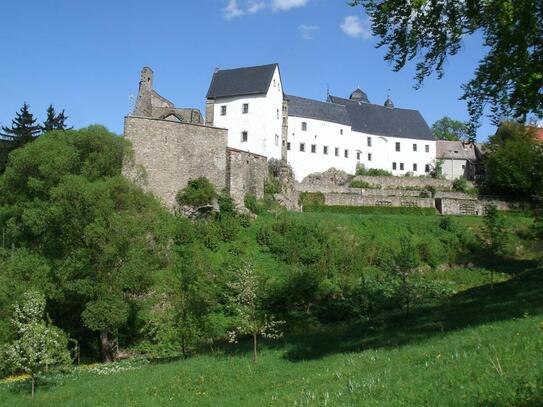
(455, 150)
(364, 117)
(241, 81)
(314, 109)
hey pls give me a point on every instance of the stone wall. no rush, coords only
(245, 173)
(404, 182)
(172, 153)
(361, 200)
(448, 206)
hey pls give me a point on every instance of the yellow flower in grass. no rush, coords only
(16, 378)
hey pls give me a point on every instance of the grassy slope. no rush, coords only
(481, 347)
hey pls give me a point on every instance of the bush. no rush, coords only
(431, 189)
(198, 192)
(460, 185)
(360, 184)
(227, 205)
(251, 203)
(372, 172)
(311, 199)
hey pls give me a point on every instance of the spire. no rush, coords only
(359, 96)
(388, 102)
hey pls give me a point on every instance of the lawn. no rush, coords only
(479, 347)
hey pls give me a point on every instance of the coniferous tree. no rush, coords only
(23, 129)
(54, 121)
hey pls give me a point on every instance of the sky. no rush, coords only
(86, 56)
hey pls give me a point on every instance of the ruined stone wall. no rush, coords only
(391, 201)
(404, 182)
(246, 174)
(172, 153)
(449, 206)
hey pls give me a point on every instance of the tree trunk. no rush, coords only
(106, 344)
(33, 384)
(255, 349)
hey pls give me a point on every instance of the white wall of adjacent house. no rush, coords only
(254, 122)
(315, 146)
(453, 168)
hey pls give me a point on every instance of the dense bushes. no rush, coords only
(373, 172)
(198, 192)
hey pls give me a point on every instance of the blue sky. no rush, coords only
(86, 56)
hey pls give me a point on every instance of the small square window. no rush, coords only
(302, 147)
(313, 148)
(393, 166)
(463, 167)
(346, 153)
(401, 167)
(358, 155)
(369, 141)
(427, 148)
(398, 146)
(245, 109)
(369, 157)
(415, 168)
(325, 150)
(223, 110)
(414, 147)
(304, 126)
(288, 146)
(244, 136)
(336, 152)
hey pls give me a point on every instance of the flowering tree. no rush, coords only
(38, 344)
(249, 315)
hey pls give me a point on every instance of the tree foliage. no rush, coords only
(198, 192)
(54, 121)
(451, 130)
(509, 78)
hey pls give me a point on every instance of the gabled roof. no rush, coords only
(455, 150)
(253, 80)
(384, 121)
(314, 109)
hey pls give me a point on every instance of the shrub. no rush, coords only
(272, 186)
(360, 184)
(311, 198)
(198, 192)
(226, 205)
(431, 189)
(460, 185)
(251, 203)
(372, 172)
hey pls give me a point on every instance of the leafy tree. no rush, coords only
(405, 262)
(494, 236)
(54, 121)
(39, 344)
(513, 162)
(451, 130)
(508, 78)
(437, 171)
(198, 192)
(248, 311)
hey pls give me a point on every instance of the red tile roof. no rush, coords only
(539, 134)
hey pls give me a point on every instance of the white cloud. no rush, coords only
(254, 6)
(354, 27)
(284, 5)
(307, 31)
(232, 10)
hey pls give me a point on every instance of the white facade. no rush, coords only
(328, 145)
(453, 169)
(254, 122)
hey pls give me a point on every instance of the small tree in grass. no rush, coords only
(39, 344)
(406, 261)
(249, 315)
(494, 237)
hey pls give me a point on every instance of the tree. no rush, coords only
(54, 121)
(494, 237)
(39, 344)
(249, 316)
(509, 78)
(23, 129)
(451, 130)
(513, 163)
(406, 261)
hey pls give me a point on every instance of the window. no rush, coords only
(393, 166)
(427, 168)
(336, 152)
(341, 131)
(288, 146)
(427, 148)
(414, 147)
(274, 83)
(223, 110)
(401, 167)
(277, 139)
(302, 147)
(398, 146)
(244, 136)
(358, 155)
(325, 150)
(313, 148)
(346, 153)
(245, 108)
(304, 126)
(415, 168)
(277, 114)
(369, 141)
(369, 157)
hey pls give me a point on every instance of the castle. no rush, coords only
(249, 119)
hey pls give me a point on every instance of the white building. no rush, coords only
(459, 159)
(312, 135)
